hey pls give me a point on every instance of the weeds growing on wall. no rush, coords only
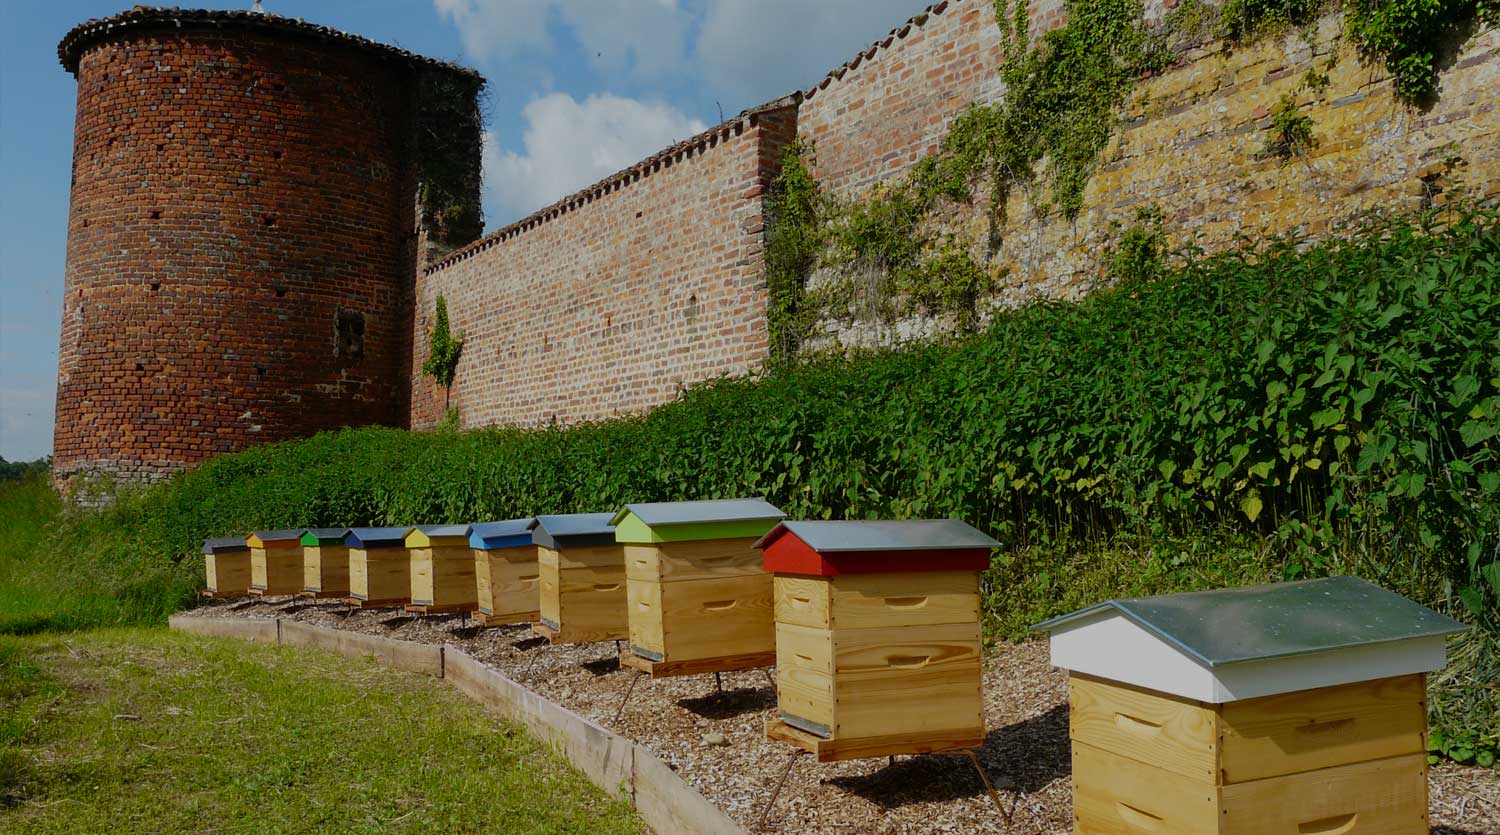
(449, 145)
(443, 347)
(1289, 411)
(793, 239)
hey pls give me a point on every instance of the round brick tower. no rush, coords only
(245, 230)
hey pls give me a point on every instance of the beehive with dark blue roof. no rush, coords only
(877, 636)
(1291, 707)
(275, 561)
(698, 597)
(325, 563)
(506, 572)
(442, 569)
(379, 567)
(581, 578)
(226, 563)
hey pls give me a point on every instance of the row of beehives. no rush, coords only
(1296, 707)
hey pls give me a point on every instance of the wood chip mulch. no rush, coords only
(715, 739)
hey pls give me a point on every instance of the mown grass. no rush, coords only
(142, 730)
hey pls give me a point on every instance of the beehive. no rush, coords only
(379, 567)
(227, 563)
(275, 562)
(1296, 708)
(506, 572)
(581, 579)
(877, 636)
(442, 569)
(325, 563)
(698, 595)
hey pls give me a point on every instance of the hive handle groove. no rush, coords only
(1336, 825)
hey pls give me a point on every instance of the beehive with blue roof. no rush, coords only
(505, 571)
(442, 569)
(1293, 707)
(379, 567)
(698, 594)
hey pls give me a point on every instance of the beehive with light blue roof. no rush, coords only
(506, 573)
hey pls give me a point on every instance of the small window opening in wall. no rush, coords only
(156, 214)
(349, 337)
(155, 285)
(269, 221)
(280, 292)
(260, 370)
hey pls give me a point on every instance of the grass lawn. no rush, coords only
(147, 731)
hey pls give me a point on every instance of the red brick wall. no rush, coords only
(232, 192)
(612, 300)
(892, 104)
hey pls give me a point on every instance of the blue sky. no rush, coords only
(578, 89)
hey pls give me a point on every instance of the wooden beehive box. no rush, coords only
(698, 594)
(507, 577)
(1295, 708)
(227, 563)
(325, 563)
(379, 567)
(877, 636)
(275, 562)
(442, 569)
(581, 579)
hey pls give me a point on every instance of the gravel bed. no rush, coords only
(716, 740)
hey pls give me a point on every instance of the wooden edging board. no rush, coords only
(616, 764)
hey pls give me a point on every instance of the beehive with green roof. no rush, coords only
(325, 563)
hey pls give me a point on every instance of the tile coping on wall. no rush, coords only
(614, 763)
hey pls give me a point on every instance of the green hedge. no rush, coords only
(1285, 411)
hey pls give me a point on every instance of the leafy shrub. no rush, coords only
(1286, 411)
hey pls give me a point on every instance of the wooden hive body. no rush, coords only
(1282, 708)
(228, 573)
(581, 593)
(508, 582)
(325, 570)
(275, 565)
(442, 570)
(1343, 759)
(380, 576)
(698, 593)
(878, 647)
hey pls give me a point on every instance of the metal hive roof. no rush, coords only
(225, 545)
(509, 527)
(659, 514)
(279, 536)
(327, 533)
(442, 530)
(885, 535)
(1254, 623)
(575, 524)
(377, 537)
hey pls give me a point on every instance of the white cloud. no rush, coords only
(645, 37)
(568, 144)
(757, 50)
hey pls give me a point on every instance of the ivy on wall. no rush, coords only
(443, 348)
(449, 153)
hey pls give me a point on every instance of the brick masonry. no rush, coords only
(240, 246)
(612, 300)
(236, 188)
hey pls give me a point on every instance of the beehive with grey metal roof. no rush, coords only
(443, 577)
(581, 578)
(1294, 707)
(325, 563)
(698, 596)
(226, 565)
(506, 573)
(877, 635)
(276, 561)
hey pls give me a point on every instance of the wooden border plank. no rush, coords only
(403, 655)
(260, 630)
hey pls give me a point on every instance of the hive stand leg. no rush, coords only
(628, 690)
(718, 683)
(760, 825)
(994, 795)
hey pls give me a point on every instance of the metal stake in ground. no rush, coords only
(760, 825)
(994, 795)
(631, 689)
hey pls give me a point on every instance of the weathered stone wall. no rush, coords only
(614, 298)
(1190, 145)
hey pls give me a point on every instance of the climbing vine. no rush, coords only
(443, 348)
(793, 239)
(1410, 35)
